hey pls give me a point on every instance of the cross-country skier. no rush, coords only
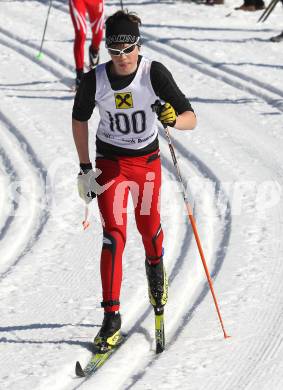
(95, 10)
(127, 155)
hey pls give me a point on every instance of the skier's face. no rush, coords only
(124, 61)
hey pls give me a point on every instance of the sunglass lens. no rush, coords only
(129, 49)
(114, 52)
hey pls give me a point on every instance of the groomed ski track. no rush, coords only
(35, 197)
(61, 284)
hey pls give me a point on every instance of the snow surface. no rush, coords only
(233, 164)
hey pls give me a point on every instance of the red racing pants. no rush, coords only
(95, 10)
(141, 177)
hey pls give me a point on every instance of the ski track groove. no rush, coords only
(12, 173)
(226, 69)
(31, 57)
(43, 214)
(51, 55)
(272, 101)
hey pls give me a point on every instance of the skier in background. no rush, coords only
(127, 154)
(95, 10)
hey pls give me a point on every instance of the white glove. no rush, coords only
(88, 187)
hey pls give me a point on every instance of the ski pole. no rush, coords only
(267, 11)
(156, 107)
(122, 6)
(40, 54)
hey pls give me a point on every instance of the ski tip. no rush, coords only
(79, 370)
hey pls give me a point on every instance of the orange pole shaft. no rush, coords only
(193, 223)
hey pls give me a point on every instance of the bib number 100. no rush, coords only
(125, 124)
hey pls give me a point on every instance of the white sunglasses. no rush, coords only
(126, 50)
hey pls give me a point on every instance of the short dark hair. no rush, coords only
(122, 15)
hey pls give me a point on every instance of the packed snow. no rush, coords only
(232, 164)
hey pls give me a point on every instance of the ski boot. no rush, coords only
(109, 335)
(158, 295)
(157, 284)
(93, 57)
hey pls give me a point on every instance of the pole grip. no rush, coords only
(156, 106)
